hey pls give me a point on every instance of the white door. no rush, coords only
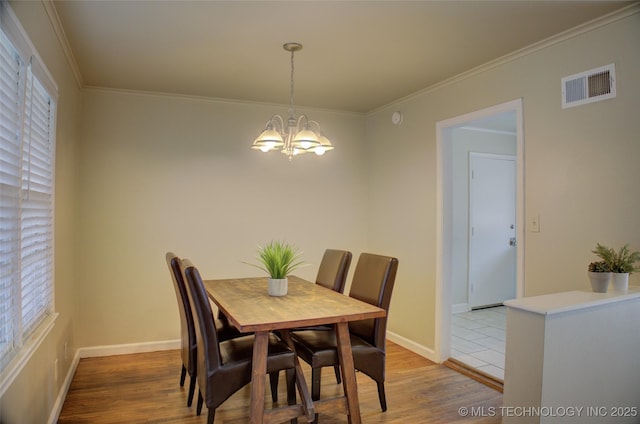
(492, 229)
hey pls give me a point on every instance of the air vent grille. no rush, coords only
(588, 87)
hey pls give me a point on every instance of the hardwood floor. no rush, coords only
(144, 388)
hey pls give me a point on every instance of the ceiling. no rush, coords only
(357, 55)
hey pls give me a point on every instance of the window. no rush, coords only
(27, 134)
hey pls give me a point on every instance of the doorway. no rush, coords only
(450, 269)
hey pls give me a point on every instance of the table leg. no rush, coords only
(258, 376)
(301, 384)
(348, 372)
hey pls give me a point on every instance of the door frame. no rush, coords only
(444, 231)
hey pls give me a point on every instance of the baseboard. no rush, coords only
(62, 393)
(412, 346)
(125, 349)
(459, 308)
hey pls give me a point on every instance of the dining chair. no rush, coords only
(333, 269)
(187, 330)
(224, 367)
(373, 282)
(332, 274)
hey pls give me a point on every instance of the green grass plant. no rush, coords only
(278, 259)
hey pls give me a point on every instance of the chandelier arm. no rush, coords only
(310, 122)
(277, 119)
(306, 122)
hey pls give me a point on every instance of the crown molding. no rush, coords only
(54, 18)
(218, 100)
(594, 24)
(558, 38)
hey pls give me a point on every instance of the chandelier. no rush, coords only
(299, 135)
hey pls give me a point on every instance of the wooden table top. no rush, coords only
(249, 307)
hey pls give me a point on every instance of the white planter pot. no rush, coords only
(621, 282)
(277, 286)
(599, 281)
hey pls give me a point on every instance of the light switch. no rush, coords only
(534, 224)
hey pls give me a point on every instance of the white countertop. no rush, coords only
(555, 303)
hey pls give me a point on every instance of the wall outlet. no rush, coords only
(55, 370)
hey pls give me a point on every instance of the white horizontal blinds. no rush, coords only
(37, 209)
(27, 134)
(11, 88)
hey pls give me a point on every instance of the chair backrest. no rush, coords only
(333, 269)
(373, 282)
(187, 329)
(208, 353)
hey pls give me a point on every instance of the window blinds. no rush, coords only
(10, 155)
(36, 224)
(27, 117)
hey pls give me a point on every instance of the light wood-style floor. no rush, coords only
(144, 388)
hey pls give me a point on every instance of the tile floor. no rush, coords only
(478, 339)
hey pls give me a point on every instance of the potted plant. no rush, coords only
(599, 276)
(621, 262)
(278, 259)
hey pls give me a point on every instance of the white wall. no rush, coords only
(34, 393)
(164, 173)
(581, 168)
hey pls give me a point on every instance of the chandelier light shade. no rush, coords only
(296, 135)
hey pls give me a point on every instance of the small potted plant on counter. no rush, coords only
(278, 259)
(599, 276)
(621, 263)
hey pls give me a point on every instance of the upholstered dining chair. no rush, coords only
(187, 331)
(332, 274)
(224, 367)
(373, 282)
(333, 269)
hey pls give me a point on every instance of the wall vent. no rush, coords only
(588, 87)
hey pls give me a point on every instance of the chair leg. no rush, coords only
(183, 374)
(291, 390)
(381, 396)
(336, 369)
(316, 377)
(211, 416)
(192, 389)
(200, 400)
(273, 381)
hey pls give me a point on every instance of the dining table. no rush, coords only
(249, 308)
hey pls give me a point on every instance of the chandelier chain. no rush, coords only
(292, 108)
